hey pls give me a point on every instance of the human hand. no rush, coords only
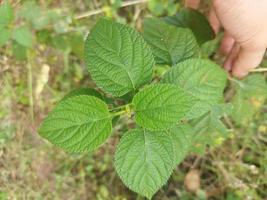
(245, 39)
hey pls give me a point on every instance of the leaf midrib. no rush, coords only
(79, 124)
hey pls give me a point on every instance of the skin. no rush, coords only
(245, 38)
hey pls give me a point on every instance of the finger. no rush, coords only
(246, 60)
(222, 7)
(231, 57)
(192, 3)
(227, 44)
(214, 21)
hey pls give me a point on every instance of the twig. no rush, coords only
(99, 11)
(5, 68)
(196, 163)
(88, 14)
(224, 172)
(261, 137)
(239, 83)
(16, 3)
(228, 122)
(259, 70)
(30, 82)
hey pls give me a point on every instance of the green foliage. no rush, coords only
(83, 91)
(5, 34)
(181, 114)
(77, 124)
(211, 121)
(161, 106)
(209, 127)
(6, 18)
(118, 58)
(144, 160)
(6, 14)
(23, 36)
(29, 11)
(111, 9)
(197, 22)
(170, 44)
(201, 78)
(33, 14)
(60, 42)
(48, 25)
(182, 137)
(160, 7)
(210, 47)
(253, 86)
(45, 19)
(250, 95)
(19, 51)
(76, 43)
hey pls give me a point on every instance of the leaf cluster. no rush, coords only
(171, 114)
(30, 24)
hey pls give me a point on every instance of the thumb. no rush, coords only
(192, 3)
(247, 60)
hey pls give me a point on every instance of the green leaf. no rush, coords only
(253, 85)
(6, 14)
(44, 37)
(197, 22)
(201, 78)
(77, 44)
(83, 91)
(23, 36)
(78, 124)
(157, 7)
(45, 18)
(161, 106)
(41, 22)
(5, 34)
(170, 44)
(163, 7)
(118, 58)
(19, 51)
(144, 160)
(211, 121)
(30, 11)
(244, 110)
(182, 137)
(61, 42)
(209, 129)
(250, 96)
(210, 47)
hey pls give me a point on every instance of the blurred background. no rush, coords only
(41, 59)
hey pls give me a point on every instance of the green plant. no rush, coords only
(172, 115)
(160, 7)
(31, 25)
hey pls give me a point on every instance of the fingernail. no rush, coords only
(227, 66)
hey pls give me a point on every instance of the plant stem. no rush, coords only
(239, 83)
(29, 67)
(118, 113)
(259, 70)
(119, 107)
(125, 109)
